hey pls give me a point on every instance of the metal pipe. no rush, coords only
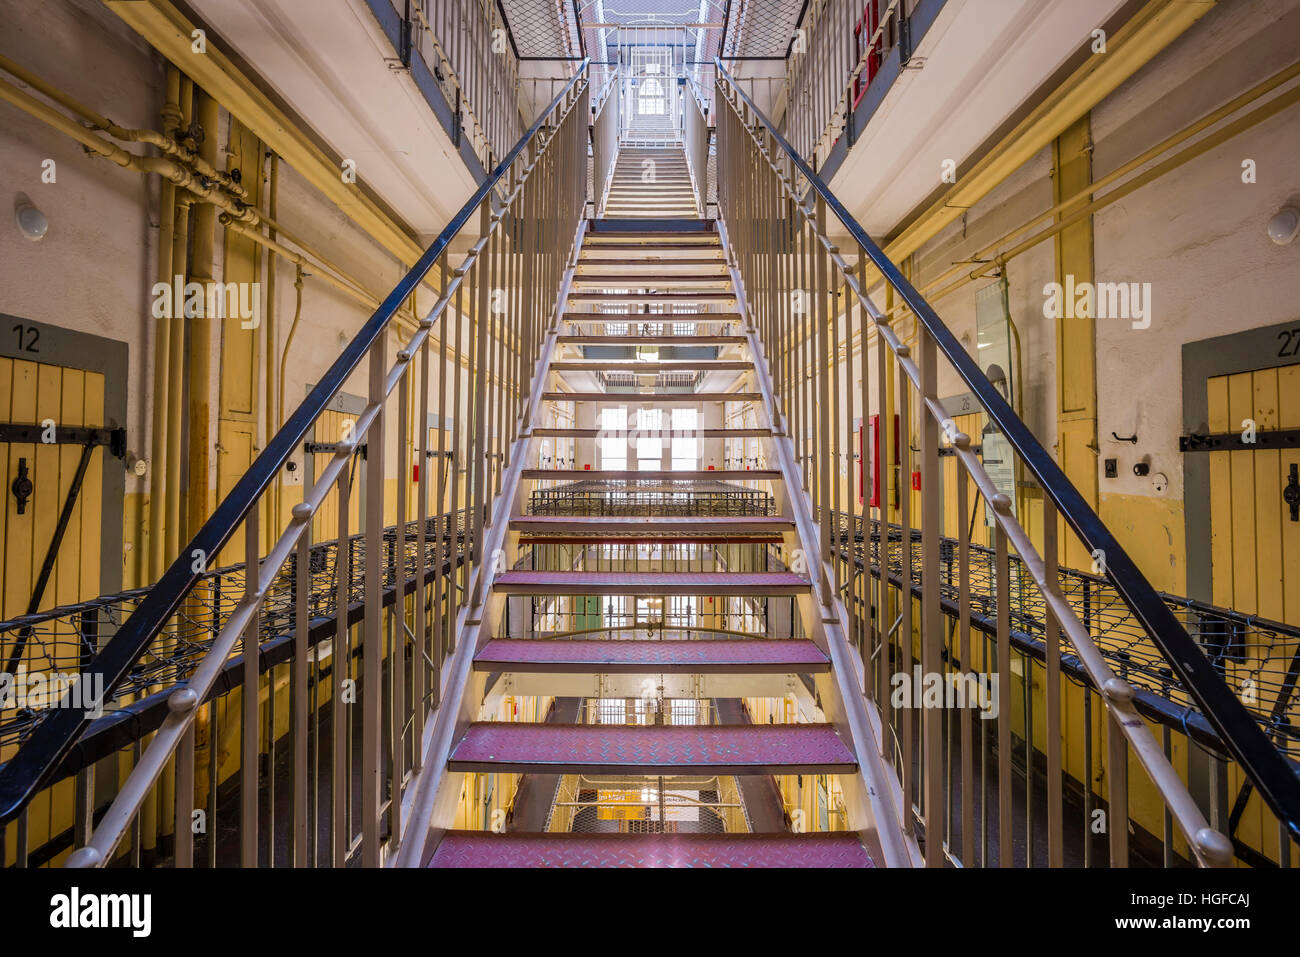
(162, 347)
(200, 439)
(162, 142)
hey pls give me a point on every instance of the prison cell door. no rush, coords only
(1255, 552)
(33, 393)
(330, 429)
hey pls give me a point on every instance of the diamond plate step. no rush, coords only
(520, 748)
(485, 849)
(656, 525)
(605, 656)
(649, 583)
(658, 475)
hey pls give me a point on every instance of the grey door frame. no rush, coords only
(73, 349)
(1248, 351)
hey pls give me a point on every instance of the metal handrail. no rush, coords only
(1248, 744)
(28, 771)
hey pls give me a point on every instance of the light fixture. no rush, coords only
(31, 221)
(1284, 226)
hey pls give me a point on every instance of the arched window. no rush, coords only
(651, 99)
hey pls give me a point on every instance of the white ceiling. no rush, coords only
(331, 68)
(983, 59)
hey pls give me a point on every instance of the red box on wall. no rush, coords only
(875, 459)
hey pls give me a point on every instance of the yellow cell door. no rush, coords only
(1255, 547)
(332, 427)
(32, 393)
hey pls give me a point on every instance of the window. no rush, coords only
(649, 449)
(613, 449)
(651, 99)
(685, 444)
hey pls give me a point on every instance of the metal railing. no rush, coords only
(832, 60)
(696, 135)
(496, 307)
(777, 217)
(604, 142)
(1238, 645)
(464, 43)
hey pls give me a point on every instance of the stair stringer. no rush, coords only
(873, 797)
(431, 808)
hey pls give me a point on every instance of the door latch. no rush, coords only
(1291, 494)
(22, 487)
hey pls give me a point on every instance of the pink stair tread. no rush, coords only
(650, 583)
(485, 849)
(739, 656)
(720, 523)
(517, 747)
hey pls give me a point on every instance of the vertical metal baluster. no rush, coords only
(932, 625)
(183, 799)
(214, 735)
(250, 695)
(907, 718)
(1052, 698)
(822, 409)
(299, 703)
(476, 438)
(963, 637)
(457, 545)
(397, 647)
(372, 647)
(1006, 854)
(84, 812)
(884, 467)
(419, 670)
(1088, 776)
(338, 666)
(1117, 791)
(136, 824)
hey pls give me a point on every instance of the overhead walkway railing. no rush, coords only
(604, 141)
(778, 218)
(493, 310)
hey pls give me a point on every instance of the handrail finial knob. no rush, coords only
(1214, 847)
(84, 857)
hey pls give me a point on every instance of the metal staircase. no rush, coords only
(766, 307)
(662, 750)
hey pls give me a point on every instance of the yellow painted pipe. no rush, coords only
(170, 32)
(1200, 147)
(162, 347)
(1148, 32)
(1168, 143)
(162, 142)
(176, 353)
(362, 296)
(200, 439)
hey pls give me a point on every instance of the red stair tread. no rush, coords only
(652, 583)
(739, 656)
(485, 849)
(652, 749)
